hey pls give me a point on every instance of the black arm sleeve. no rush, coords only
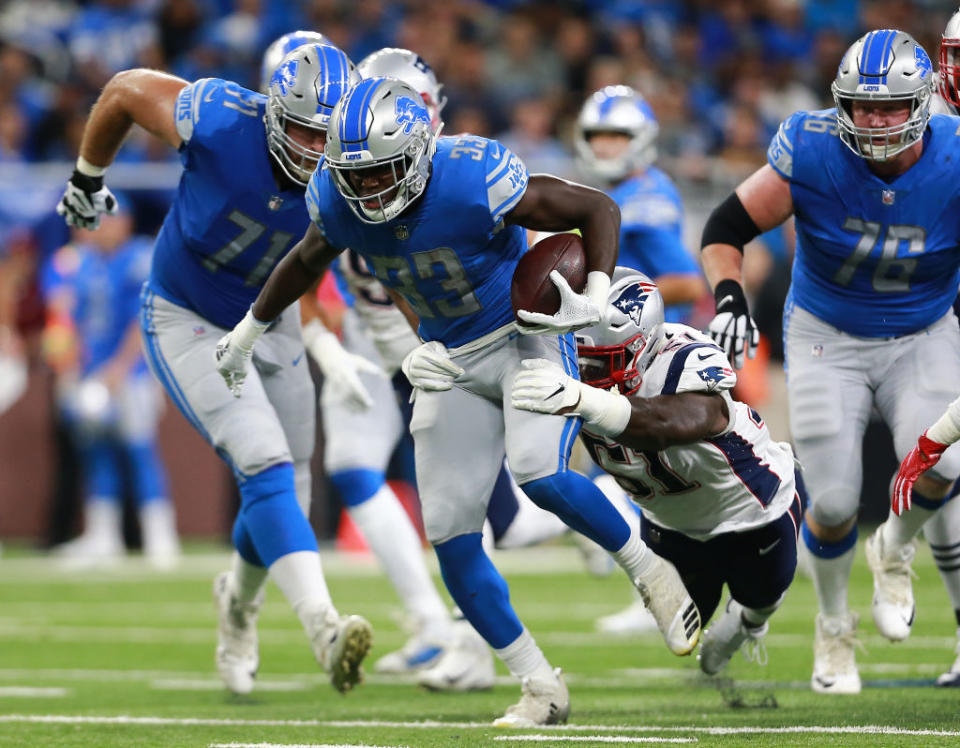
(729, 223)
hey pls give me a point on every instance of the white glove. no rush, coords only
(341, 369)
(235, 349)
(577, 310)
(429, 367)
(733, 329)
(86, 198)
(543, 387)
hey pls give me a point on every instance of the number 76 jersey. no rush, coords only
(738, 480)
(875, 258)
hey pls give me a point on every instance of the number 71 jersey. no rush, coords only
(735, 481)
(230, 224)
(875, 258)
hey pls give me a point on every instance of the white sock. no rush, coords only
(532, 524)
(831, 577)
(103, 520)
(300, 578)
(756, 617)
(248, 580)
(635, 557)
(395, 542)
(942, 531)
(158, 526)
(523, 658)
(898, 531)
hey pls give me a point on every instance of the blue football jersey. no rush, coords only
(874, 258)
(106, 294)
(651, 230)
(230, 224)
(450, 255)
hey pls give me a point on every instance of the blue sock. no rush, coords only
(271, 516)
(478, 589)
(356, 486)
(102, 470)
(503, 506)
(582, 506)
(243, 543)
(149, 479)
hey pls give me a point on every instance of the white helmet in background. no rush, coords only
(617, 350)
(949, 71)
(617, 109)
(303, 90)
(280, 48)
(413, 70)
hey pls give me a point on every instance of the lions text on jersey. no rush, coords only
(738, 480)
(875, 258)
(229, 224)
(450, 255)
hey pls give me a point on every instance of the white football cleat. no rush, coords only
(834, 661)
(237, 656)
(418, 653)
(465, 665)
(672, 607)
(728, 634)
(544, 702)
(340, 644)
(634, 619)
(893, 606)
(951, 678)
(89, 551)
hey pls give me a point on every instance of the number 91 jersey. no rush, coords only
(230, 224)
(735, 481)
(875, 258)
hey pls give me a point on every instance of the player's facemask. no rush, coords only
(610, 366)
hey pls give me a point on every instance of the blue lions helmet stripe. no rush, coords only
(353, 117)
(632, 298)
(875, 59)
(410, 112)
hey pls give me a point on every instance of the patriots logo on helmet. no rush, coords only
(409, 112)
(713, 375)
(285, 76)
(632, 298)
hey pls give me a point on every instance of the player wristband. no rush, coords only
(945, 430)
(248, 331)
(597, 288)
(88, 169)
(607, 412)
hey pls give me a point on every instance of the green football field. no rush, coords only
(125, 657)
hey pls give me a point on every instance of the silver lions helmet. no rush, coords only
(413, 70)
(617, 109)
(304, 88)
(885, 65)
(949, 71)
(280, 48)
(379, 148)
(616, 351)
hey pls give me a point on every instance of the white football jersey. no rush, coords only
(735, 481)
(939, 106)
(388, 328)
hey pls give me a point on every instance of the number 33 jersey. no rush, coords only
(874, 258)
(735, 481)
(230, 223)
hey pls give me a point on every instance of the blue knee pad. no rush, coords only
(149, 479)
(503, 506)
(478, 588)
(356, 486)
(828, 550)
(244, 544)
(582, 506)
(271, 516)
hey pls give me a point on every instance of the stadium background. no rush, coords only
(720, 76)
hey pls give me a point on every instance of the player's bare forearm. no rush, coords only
(553, 204)
(144, 97)
(294, 275)
(680, 288)
(405, 309)
(668, 420)
(722, 262)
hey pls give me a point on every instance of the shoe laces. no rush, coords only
(754, 648)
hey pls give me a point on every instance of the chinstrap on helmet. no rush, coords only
(280, 48)
(413, 70)
(885, 65)
(380, 127)
(617, 350)
(304, 88)
(618, 109)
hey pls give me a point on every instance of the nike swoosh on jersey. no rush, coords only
(765, 551)
(703, 356)
(297, 359)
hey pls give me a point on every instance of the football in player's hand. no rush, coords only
(532, 289)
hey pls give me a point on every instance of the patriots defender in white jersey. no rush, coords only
(868, 321)
(239, 207)
(719, 498)
(440, 221)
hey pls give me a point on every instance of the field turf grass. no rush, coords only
(125, 657)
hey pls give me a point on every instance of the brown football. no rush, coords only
(532, 289)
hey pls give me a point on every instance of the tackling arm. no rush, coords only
(668, 420)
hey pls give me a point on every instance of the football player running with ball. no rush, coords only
(868, 321)
(239, 207)
(440, 222)
(719, 498)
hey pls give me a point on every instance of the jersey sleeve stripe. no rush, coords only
(755, 474)
(504, 160)
(677, 365)
(507, 205)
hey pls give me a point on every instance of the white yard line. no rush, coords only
(432, 724)
(215, 684)
(590, 739)
(298, 745)
(31, 692)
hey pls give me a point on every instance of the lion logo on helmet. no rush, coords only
(632, 298)
(409, 112)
